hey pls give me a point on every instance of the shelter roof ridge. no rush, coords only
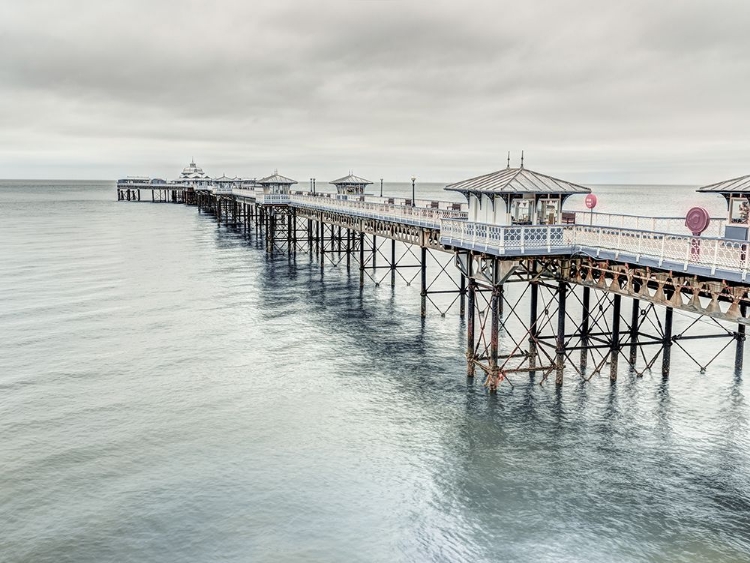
(517, 180)
(276, 178)
(350, 179)
(740, 184)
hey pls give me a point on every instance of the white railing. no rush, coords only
(246, 192)
(272, 199)
(628, 245)
(685, 250)
(646, 223)
(423, 216)
(506, 239)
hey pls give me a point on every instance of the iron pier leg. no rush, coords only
(323, 245)
(585, 318)
(501, 304)
(271, 228)
(462, 297)
(533, 329)
(614, 347)
(374, 251)
(317, 238)
(562, 292)
(739, 352)
(667, 342)
(290, 232)
(348, 248)
(494, 375)
(361, 260)
(634, 316)
(470, 329)
(423, 292)
(393, 262)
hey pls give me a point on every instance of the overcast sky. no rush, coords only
(594, 91)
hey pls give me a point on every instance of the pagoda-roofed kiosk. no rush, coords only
(351, 185)
(224, 184)
(737, 193)
(516, 196)
(275, 189)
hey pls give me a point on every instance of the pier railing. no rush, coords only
(420, 216)
(667, 250)
(646, 223)
(272, 199)
(497, 239)
(251, 193)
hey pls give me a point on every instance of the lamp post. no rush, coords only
(413, 179)
(381, 187)
(312, 185)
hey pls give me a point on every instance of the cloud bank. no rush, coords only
(593, 91)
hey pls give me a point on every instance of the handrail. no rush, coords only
(425, 216)
(651, 238)
(644, 222)
(684, 250)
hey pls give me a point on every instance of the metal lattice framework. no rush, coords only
(586, 299)
(563, 320)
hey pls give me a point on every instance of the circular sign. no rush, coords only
(697, 220)
(590, 201)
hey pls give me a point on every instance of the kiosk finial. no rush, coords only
(521, 159)
(508, 160)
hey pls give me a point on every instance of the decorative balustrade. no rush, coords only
(422, 216)
(646, 223)
(247, 192)
(630, 245)
(631, 238)
(272, 199)
(526, 239)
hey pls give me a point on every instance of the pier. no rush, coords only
(543, 291)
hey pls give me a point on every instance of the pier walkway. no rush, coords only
(513, 229)
(658, 242)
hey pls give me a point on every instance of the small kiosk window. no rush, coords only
(739, 211)
(521, 212)
(548, 211)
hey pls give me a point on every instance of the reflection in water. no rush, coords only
(199, 400)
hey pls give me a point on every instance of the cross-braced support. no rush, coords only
(574, 311)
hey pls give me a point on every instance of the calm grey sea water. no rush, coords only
(168, 392)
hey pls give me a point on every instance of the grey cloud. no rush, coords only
(596, 90)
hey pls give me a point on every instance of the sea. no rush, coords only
(169, 392)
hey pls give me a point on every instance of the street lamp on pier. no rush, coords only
(381, 187)
(413, 179)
